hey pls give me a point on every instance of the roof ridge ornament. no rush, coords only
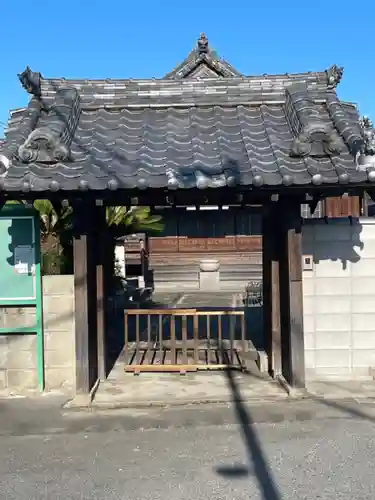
(368, 134)
(366, 156)
(30, 81)
(4, 164)
(313, 136)
(203, 44)
(203, 56)
(50, 143)
(335, 74)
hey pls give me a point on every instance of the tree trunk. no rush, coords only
(51, 255)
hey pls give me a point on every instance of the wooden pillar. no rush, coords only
(364, 204)
(101, 288)
(85, 297)
(292, 333)
(271, 288)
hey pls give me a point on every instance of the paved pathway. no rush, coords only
(199, 299)
(127, 390)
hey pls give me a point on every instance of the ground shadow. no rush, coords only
(352, 409)
(258, 464)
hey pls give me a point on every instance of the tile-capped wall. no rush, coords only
(339, 298)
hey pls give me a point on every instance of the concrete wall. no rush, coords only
(339, 299)
(18, 353)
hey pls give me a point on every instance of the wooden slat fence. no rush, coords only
(182, 340)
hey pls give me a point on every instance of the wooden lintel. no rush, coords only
(222, 195)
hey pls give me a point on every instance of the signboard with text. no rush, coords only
(18, 257)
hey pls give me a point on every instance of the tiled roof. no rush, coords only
(183, 133)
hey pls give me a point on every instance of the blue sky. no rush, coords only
(122, 39)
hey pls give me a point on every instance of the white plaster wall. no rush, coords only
(339, 299)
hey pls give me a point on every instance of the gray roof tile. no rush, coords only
(138, 147)
(185, 133)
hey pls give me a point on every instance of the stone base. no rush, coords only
(262, 361)
(209, 280)
(291, 391)
(83, 400)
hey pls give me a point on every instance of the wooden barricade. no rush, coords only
(184, 340)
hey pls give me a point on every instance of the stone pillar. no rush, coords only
(209, 275)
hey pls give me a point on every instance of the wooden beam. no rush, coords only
(364, 205)
(101, 288)
(85, 294)
(81, 304)
(292, 332)
(271, 288)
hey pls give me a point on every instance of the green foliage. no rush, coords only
(54, 219)
(134, 219)
(56, 230)
(56, 237)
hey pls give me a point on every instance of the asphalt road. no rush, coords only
(218, 453)
(290, 460)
